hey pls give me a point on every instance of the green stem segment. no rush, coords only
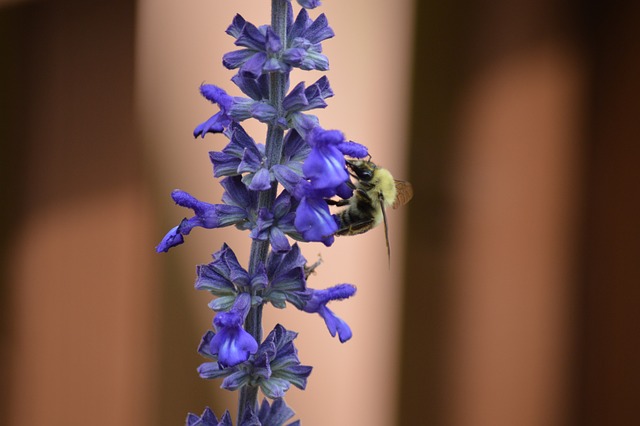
(260, 249)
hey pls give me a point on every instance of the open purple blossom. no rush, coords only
(304, 37)
(295, 151)
(272, 225)
(232, 343)
(260, 48)
(318, 304)
(304, 99)
(256, 88)
(325, 166)
(220, 120)
(232, 109)
(242, 156)
(286, 279)
(225, 278)
(237, 194)
(275, 366)
(208, 418)
(212, 369)
(207, 216)
(314, 220)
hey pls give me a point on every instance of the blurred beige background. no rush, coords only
(512, 297)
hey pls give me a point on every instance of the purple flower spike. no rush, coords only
(232, 343)
(278, 189)
(318, 304)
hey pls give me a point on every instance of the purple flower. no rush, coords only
(207, 216)
(309, 4)
(327, 176)
(225, 278)
(219, 121)
(295, 151)
(260, 48)
(325, 166)
(304, 37)
(232, 343)
(274, 367)
(286, 278)
(232, 109)
(242, 156)
(212, 369)
(274, 224)
(276, 364)
(237, 195)
(275, 414)
(318, 304)
(314, 221)
(208, 418)
(304, 99)
(256, 88)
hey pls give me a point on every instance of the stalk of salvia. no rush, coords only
(277, 191)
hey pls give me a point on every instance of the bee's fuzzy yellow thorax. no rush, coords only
(385, 184)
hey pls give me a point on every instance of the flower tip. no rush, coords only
(172, 239)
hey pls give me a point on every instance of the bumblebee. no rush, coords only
(374, 189)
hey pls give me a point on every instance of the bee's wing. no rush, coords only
(404, 192)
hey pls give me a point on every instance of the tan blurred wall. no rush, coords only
(79, 271)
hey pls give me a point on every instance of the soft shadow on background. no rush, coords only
(512, 300)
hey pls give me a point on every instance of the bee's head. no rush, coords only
(363, 169)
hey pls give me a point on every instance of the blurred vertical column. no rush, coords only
(78, 253)
(499, 92)
(607, 368)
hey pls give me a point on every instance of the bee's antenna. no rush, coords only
(386, 229)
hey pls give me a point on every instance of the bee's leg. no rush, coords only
(362, 195)
(337, 202)
(349, 183)
(356, 227)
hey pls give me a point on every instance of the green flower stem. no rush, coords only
(260, 249)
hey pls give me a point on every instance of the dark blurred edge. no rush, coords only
(53, 149)
(437, 75)
(13, 104)
(607, 351)
(451, 42)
